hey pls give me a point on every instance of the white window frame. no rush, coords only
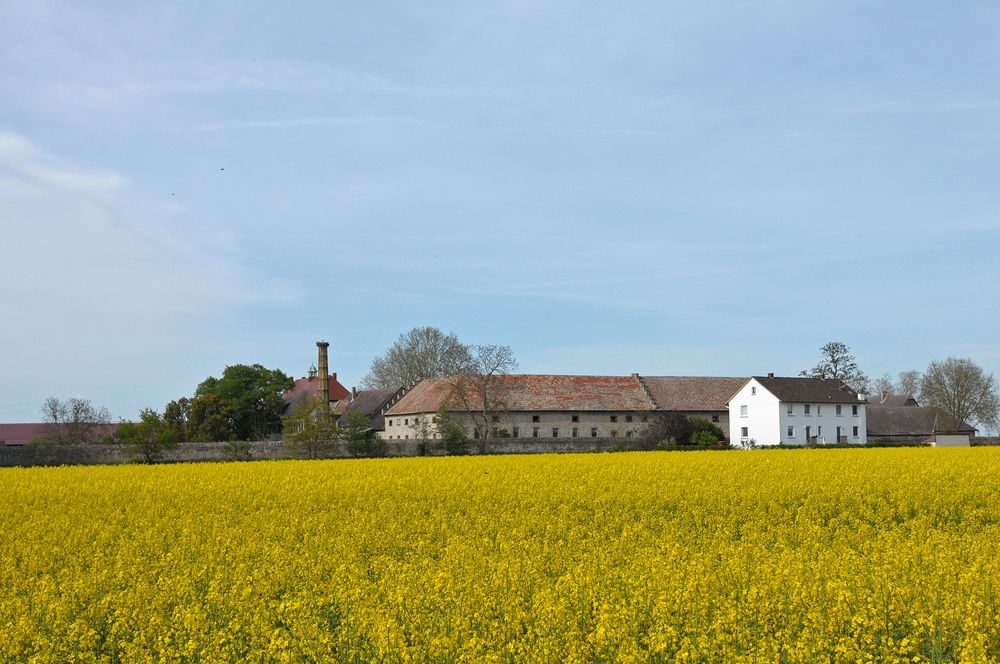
(743, 411)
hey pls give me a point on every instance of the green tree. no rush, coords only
(253, 393)
(311, 430)
(209, 419)
(355, 430)
(454, 437)
(176, 417)
(148, 438)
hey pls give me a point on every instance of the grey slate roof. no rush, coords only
(888, 400)
(905, 421)
(373, 403)
(809, 390)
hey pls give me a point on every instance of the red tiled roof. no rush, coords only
(539, 393)
(22, 434)
(18, 434)
(692, 393)
(306, 388)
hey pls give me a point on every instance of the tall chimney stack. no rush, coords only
(323, 389)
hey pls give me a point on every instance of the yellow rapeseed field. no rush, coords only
(766, 556)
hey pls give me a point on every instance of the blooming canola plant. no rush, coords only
(764, 556)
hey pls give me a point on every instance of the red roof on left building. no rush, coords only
(22, 434)
(306, 388)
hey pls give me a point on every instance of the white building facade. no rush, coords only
(797, 411)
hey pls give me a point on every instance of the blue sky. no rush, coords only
(665, 188)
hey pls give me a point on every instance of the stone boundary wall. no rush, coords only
(986, 441)
(76, 455)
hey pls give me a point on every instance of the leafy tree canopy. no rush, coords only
(311, 430)
(253, 393)
(149, 437)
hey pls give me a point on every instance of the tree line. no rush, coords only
(244, 404)
(956, 389)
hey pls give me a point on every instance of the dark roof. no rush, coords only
(372, 403)
(306, 388)
(691, 393)
(809, 390)
(539, 393)
(891, 400)
(905, 421)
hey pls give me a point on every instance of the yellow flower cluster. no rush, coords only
(766, 556)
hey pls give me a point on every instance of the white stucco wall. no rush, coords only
(822, 422)
(761, 420)
(767, 419)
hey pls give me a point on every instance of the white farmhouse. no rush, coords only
(797, 411)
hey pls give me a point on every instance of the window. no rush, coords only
(791, 432)
(614, 418)
(406, 422)
(819, 431)
(854, 411)
(628, 418)
(593, 432)
(743, 411)
(838, 434)
(744, 432)
(496, 418)
(614, 434)
(805, 409)
(475, 433)
(819, 411)
(576, 418)
(753, 391)
(534, 432)
(838, 410)
(575, 431)
(715, 418)
(790, 409)
(555, 432)
(516, 433)
(855, 432)
(808, 431)
(407, 437)
(628, 434)
(536, 418)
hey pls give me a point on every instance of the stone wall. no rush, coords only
(73, 455)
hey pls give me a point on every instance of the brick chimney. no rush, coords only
(323, 389)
